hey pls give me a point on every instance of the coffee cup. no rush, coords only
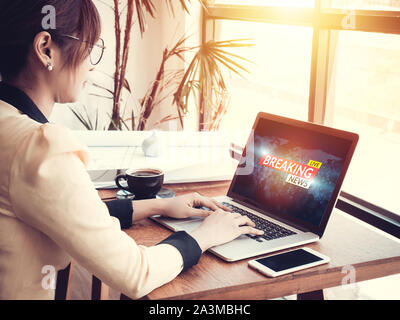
(143, 183)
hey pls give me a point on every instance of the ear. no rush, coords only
(44, 49)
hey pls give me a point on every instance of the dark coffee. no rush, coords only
(143, 183)
(143, 174)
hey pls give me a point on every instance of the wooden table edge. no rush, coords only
(302, 283)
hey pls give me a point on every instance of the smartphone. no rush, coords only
(287, 262)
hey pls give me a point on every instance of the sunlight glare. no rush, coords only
(273, 3)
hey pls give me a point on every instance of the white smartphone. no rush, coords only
(287, 262)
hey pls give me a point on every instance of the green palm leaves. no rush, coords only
(204, 78)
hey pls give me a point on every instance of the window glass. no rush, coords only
(390, 5)
(277, 3)
(364, 97)
(279, 76)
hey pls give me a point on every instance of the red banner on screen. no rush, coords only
(294, 168)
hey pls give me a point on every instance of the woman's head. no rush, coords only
(48, 41)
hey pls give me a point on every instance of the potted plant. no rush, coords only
(203, 78)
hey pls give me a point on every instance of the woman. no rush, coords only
(49, 211)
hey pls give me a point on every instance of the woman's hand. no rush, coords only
(221, 227)
(188, 206)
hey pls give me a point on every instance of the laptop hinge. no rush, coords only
(251, 205)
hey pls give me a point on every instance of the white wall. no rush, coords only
(144, 62)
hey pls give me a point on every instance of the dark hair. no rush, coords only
(21, 21)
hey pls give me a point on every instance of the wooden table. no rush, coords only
(349, 244)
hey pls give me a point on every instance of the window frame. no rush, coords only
(325, 24)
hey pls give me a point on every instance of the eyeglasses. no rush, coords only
(96, 54)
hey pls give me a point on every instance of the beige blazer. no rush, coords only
(50, 213)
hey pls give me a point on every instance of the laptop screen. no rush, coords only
(295, 170)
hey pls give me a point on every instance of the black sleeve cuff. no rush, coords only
(187, 246)
(122, 210)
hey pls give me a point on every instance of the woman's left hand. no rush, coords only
(188, 206)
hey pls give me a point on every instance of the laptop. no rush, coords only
(287, 181)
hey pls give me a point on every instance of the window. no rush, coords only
(367, 100)
(367, 4)
(280, 3)
(349, 79)
(278, 81)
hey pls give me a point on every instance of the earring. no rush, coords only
(49, 66)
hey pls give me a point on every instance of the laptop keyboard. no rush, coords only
(271, 230)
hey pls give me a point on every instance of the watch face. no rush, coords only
(123, 194)
(165, 193)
